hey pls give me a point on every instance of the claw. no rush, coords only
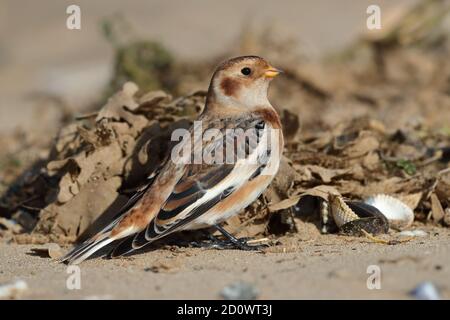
(242, 244)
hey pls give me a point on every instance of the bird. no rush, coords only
(186, 194)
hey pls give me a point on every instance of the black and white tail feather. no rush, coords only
(102, 238)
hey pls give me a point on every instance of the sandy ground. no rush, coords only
(326, 267)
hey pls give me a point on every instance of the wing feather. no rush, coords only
(203, 185)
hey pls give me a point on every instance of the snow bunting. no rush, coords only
(188, 194)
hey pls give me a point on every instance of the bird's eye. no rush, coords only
(246, 71)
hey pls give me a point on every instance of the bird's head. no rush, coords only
(241, 82)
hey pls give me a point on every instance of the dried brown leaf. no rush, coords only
(436, 208)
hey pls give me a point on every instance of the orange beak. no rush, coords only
(272, 72)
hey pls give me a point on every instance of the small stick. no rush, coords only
(86, 116)
(374, 239)
(254, 241)
(382, 241)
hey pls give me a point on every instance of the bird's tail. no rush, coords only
(87, 248)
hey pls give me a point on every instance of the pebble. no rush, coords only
(54, 251)
(13, 289)
(413, 233)
(239, 291)
(425, 291)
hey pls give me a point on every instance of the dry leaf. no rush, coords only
(411, 200)
(284, 204)
(436, 208)
(364, 144)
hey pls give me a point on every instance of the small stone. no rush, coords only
(54, 251)
(419, 233)
(239, 291)
(413, 233)
(425, 291)
(13, 290)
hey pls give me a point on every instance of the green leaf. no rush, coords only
(407, 166)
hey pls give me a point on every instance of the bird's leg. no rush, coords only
(208, 241)
(237, 243)
(213, 243)
(230, 242)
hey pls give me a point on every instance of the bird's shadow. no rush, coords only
(38, 252)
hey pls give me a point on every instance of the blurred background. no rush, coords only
(39, 55)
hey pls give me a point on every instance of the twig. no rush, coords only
(254, 241)
(86, 116)
(374, 239)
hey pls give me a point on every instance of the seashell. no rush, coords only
(352, 217)
(370, 219)
(340, 211)
(400, 216)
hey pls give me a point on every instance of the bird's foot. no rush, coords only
(244, 244)
(241, 244)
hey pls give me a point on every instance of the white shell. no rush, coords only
(400, 216)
